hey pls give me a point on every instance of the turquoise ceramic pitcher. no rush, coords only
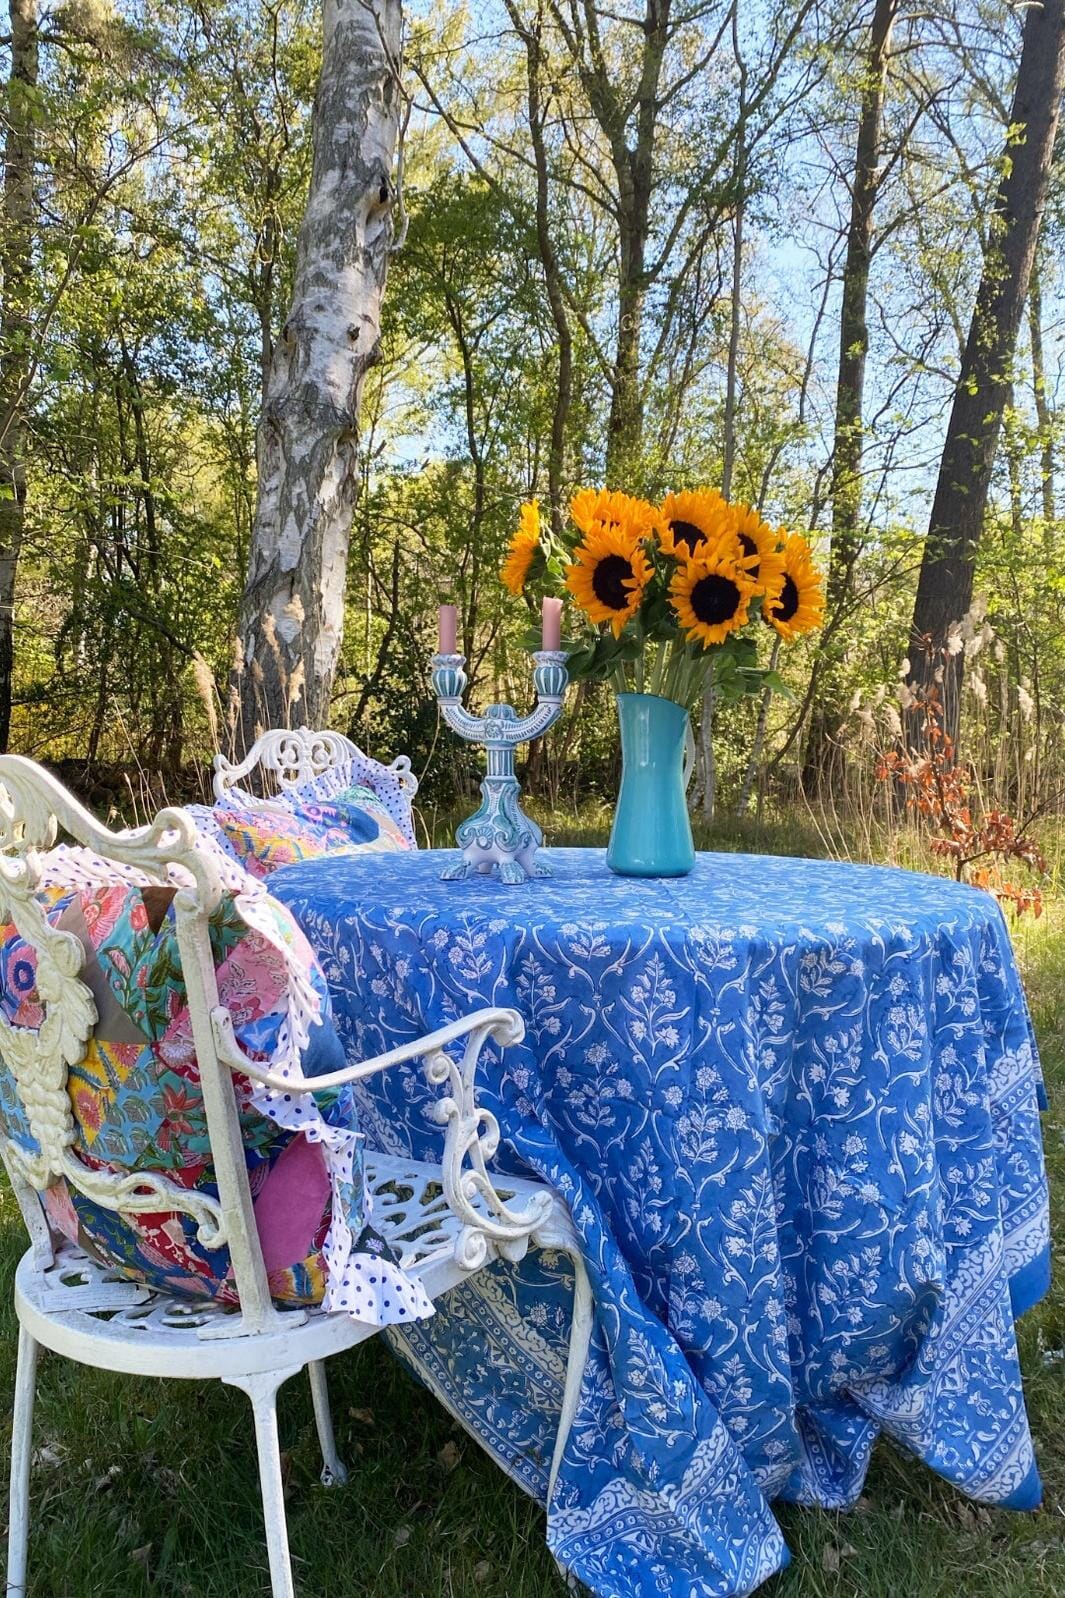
(652, 835)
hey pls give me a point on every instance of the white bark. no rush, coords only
(292, 613)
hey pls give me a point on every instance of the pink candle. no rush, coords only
(552, 623)
(449, 630)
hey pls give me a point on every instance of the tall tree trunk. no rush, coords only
(624, 434)
(629, 128)
(16, 268)
(706, 785)
(292, 612)
(945, 586)
(820, 758)
(634, 166)
(853, 326)
(531, 36)
(1043, 413)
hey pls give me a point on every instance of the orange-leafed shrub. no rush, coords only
(940, 790)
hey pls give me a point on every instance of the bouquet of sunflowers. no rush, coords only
(672, 593)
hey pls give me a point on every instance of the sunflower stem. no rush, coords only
(683, 671)
(672, 673)
(659, 670)
(685, 665)
(680, 668)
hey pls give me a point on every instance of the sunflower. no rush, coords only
(711, 593)
(800, 605)
(595, 507)
(691, 521)
(609, 573)
(763, 558)
(514, 573)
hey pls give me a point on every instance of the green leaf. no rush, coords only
(773, 679)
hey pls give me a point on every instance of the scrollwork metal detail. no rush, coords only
(470, 1141)
(297, 755)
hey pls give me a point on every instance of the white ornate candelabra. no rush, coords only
(500, 834)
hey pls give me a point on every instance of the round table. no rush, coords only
(794, 1106)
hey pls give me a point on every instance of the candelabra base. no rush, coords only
(499, 838)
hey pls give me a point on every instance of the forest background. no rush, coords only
(735, 243)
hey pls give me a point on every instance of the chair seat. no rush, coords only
(88, 1313)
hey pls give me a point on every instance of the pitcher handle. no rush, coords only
(689, 755)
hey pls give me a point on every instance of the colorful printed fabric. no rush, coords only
(263, 835)
(793, 1107)
(358, 809)
(138, 1107)
(385, 785)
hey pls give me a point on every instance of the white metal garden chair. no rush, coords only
(443, 1222)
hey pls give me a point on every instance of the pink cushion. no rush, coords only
(289, 1205)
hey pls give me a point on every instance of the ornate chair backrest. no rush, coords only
(33, 808)
(281, 760)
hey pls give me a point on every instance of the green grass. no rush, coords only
(150, 1487)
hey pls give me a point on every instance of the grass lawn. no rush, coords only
(147, 1487)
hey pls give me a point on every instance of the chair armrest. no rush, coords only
(472, 1132)
(504, 1026)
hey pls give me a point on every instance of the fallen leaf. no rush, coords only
(482, 1570)
(142, 1556)
(401, 1536)
(365, 1417)
(830, 1558)
(449, 1455)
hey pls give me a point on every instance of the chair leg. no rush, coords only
(21, 1451)
(580, 1334)
(334, 1471)
(262, 1390)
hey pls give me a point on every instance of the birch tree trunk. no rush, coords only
(16, 266)
(945, 586)
(292, 612)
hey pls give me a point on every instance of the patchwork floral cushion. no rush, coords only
(382, 784)
(137, 1103)
(357, 809)
(266, 834)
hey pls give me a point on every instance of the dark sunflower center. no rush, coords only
(609, 579)
(749, 547)
(688, 534)
(714, 599)
(788, 603)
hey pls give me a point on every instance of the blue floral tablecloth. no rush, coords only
(794, 1108)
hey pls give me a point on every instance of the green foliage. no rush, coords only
(174, 149)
